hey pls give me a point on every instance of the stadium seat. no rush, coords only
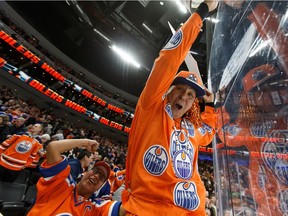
(30, 195)
(12, 209)
(11, 192)
(23, 177)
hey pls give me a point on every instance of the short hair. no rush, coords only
(83, 153)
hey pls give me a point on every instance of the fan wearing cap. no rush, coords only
(58, 193)
(161, 167)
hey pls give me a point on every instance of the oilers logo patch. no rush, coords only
(269, 154)
(185, 196)
(120, 178)
(205, 128)
(168, 110)
(260, 129)
(23, 147)
(182, 164)
(174, 41)
(281, 171)
(233, 129)
(274, 154)
(180, 141)
(155, 160)
(283, 201)
(189, 127)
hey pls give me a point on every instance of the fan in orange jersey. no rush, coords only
(58, 193)
(18, 152)
(116, 179)
(161, 171)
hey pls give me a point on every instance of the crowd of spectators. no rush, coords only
(19, 113)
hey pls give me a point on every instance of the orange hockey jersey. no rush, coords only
(116, 179)
(39, 154)
(161, 170)
(57, 195)
(18, 151)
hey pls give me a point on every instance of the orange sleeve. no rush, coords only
(169, 61)
(119, 173)
(8, 142)
(208, 128)
(209, 116)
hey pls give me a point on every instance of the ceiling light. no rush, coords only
(147, 28)
(125, 56)
(102, 35)
(161, 3)
(67, 2)
(79, 9)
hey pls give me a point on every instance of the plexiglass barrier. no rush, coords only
(248, 70)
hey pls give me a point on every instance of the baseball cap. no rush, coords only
(103, 169)
(191, 79)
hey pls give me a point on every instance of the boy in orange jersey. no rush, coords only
(58, 193)
(161, 170)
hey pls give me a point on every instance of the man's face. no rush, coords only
(36, 128)
(19, 122)
(181, 98)
(90, 182)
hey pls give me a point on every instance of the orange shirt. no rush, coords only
(161, 168)
(37, 157)
(116, 179)
(57, 195)
(18, 152)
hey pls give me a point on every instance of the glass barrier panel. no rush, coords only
(248, 70)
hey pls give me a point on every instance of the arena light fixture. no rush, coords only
(125, 56)
(147, 28)
(102, 35)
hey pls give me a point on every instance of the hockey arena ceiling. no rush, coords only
(86, 31)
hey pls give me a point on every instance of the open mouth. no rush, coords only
(92, 181)
(178, 106)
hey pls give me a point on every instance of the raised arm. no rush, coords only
(56, 148)
(172, 55)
